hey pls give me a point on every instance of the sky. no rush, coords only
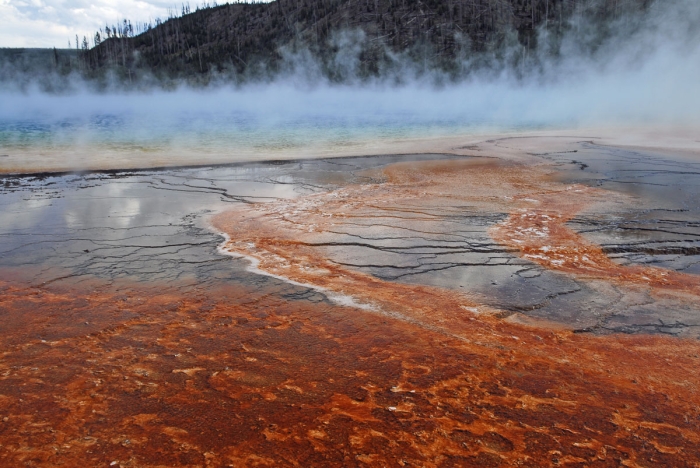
(52, 23)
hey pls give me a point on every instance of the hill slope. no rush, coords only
(343, 39)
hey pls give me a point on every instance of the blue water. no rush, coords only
(266, 121)
(232, 130)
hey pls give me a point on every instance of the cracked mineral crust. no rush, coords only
(534, 304)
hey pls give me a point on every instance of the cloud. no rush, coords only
(52, 23)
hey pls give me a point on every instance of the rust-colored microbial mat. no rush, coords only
(287, 239)
(238, 377)
(539, 232)
(369, 373)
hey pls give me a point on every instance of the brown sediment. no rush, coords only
(241, 376)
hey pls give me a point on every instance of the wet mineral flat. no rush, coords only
(519, 307)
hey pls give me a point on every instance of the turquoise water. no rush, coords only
(267, 121)
(206, 131)
(264, 121)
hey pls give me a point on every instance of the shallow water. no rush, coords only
(147, 225)
(662, 229)
(153, 226)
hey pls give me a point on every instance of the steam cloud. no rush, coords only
(646, 71)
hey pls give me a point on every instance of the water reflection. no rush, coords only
(153, 225)
(143, 225)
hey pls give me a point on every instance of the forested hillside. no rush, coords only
(362, 38)
(342, 40)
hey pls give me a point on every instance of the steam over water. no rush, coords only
(263, 120)
(270, 121)
(644, 73)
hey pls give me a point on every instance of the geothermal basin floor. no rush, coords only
(533, 309)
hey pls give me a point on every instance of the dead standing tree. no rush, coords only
(235, 36)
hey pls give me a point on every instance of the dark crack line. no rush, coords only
(398, 249)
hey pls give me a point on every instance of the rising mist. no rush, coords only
(641, 70)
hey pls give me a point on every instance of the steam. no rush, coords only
(638, 69)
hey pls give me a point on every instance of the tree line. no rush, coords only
(251, 39)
